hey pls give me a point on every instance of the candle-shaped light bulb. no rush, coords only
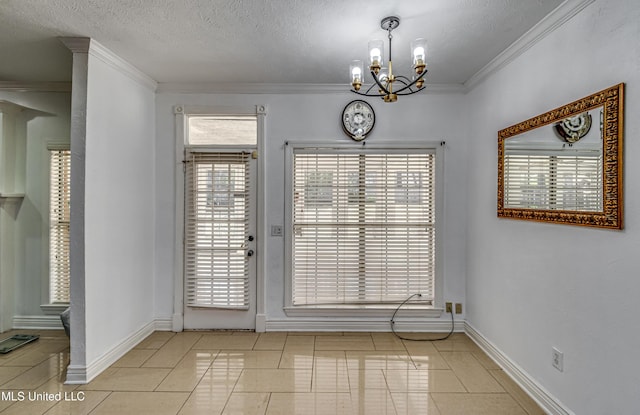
(356, 73)
(375, 55)
(376, 51)
(419, 55)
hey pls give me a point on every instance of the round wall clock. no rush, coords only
(358, 119)
(574, 128)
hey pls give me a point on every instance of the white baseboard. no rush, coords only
(381, 325)
(542, 397)
(261, 323)
(76, 375)
(177, 322)
(163, 324)
(84, 374)
(37, 322)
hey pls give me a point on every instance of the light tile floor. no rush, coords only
(245, 373)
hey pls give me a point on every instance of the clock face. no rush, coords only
(574, 128)
(358, 119)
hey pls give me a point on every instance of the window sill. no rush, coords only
(363, 311)
(53, 309)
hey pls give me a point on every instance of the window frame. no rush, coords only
(53, 305)
(376, 310)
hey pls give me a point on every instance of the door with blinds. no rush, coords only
(219, 257)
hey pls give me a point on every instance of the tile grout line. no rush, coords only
(232, 391)
(281, 354)
(436, 403)
(99, 403)
(509, 393)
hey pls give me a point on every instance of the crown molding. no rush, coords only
(257, 89)
(76, 44)
(14, 86)
(107, 56)
(97, 50)
(560, 15)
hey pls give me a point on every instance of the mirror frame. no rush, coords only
(611, 99)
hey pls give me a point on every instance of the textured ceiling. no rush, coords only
(249, 41)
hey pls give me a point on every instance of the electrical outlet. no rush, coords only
(557, 358)
(458, 308)
(447, 307)
(276, 230)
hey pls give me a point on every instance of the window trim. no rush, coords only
(434, 310)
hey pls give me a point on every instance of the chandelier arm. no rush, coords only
(410, 91)
(375, 78)
(367, 94)
(369, 90)
(412, 83)
(401, 79)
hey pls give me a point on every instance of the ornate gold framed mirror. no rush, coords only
(565, 166)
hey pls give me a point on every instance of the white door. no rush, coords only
(219, 243)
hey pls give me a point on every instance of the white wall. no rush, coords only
(531, 286)
(315, 117)
(119, 206)
(45, 120)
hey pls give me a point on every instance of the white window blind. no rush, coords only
(217, 208)
(553, 181)
(363, 227)
(59, 209)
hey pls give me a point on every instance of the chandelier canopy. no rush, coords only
(390, 86)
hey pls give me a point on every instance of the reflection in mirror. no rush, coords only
(565, 166)
(548, 169)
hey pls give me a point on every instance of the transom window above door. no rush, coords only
(235, 130)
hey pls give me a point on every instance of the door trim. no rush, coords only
(181, 112)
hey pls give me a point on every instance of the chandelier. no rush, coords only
(390, 86)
